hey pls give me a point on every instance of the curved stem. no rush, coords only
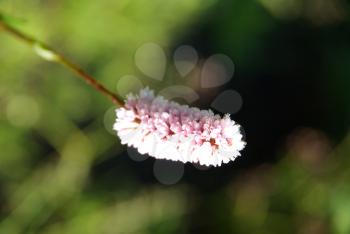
(49, 54)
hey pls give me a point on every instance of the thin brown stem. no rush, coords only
(49, 54)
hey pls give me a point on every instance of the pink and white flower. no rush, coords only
(167, 130)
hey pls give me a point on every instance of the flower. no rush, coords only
(167, 130)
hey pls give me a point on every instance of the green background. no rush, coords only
(63, 170)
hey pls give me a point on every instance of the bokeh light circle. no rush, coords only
(135, 155)
(168, 172)
(23, 111)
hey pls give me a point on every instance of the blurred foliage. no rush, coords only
(62, 169)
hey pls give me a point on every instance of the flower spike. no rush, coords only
(167, 130)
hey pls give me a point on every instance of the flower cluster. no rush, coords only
(167, 130)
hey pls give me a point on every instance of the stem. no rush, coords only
(49, 54)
